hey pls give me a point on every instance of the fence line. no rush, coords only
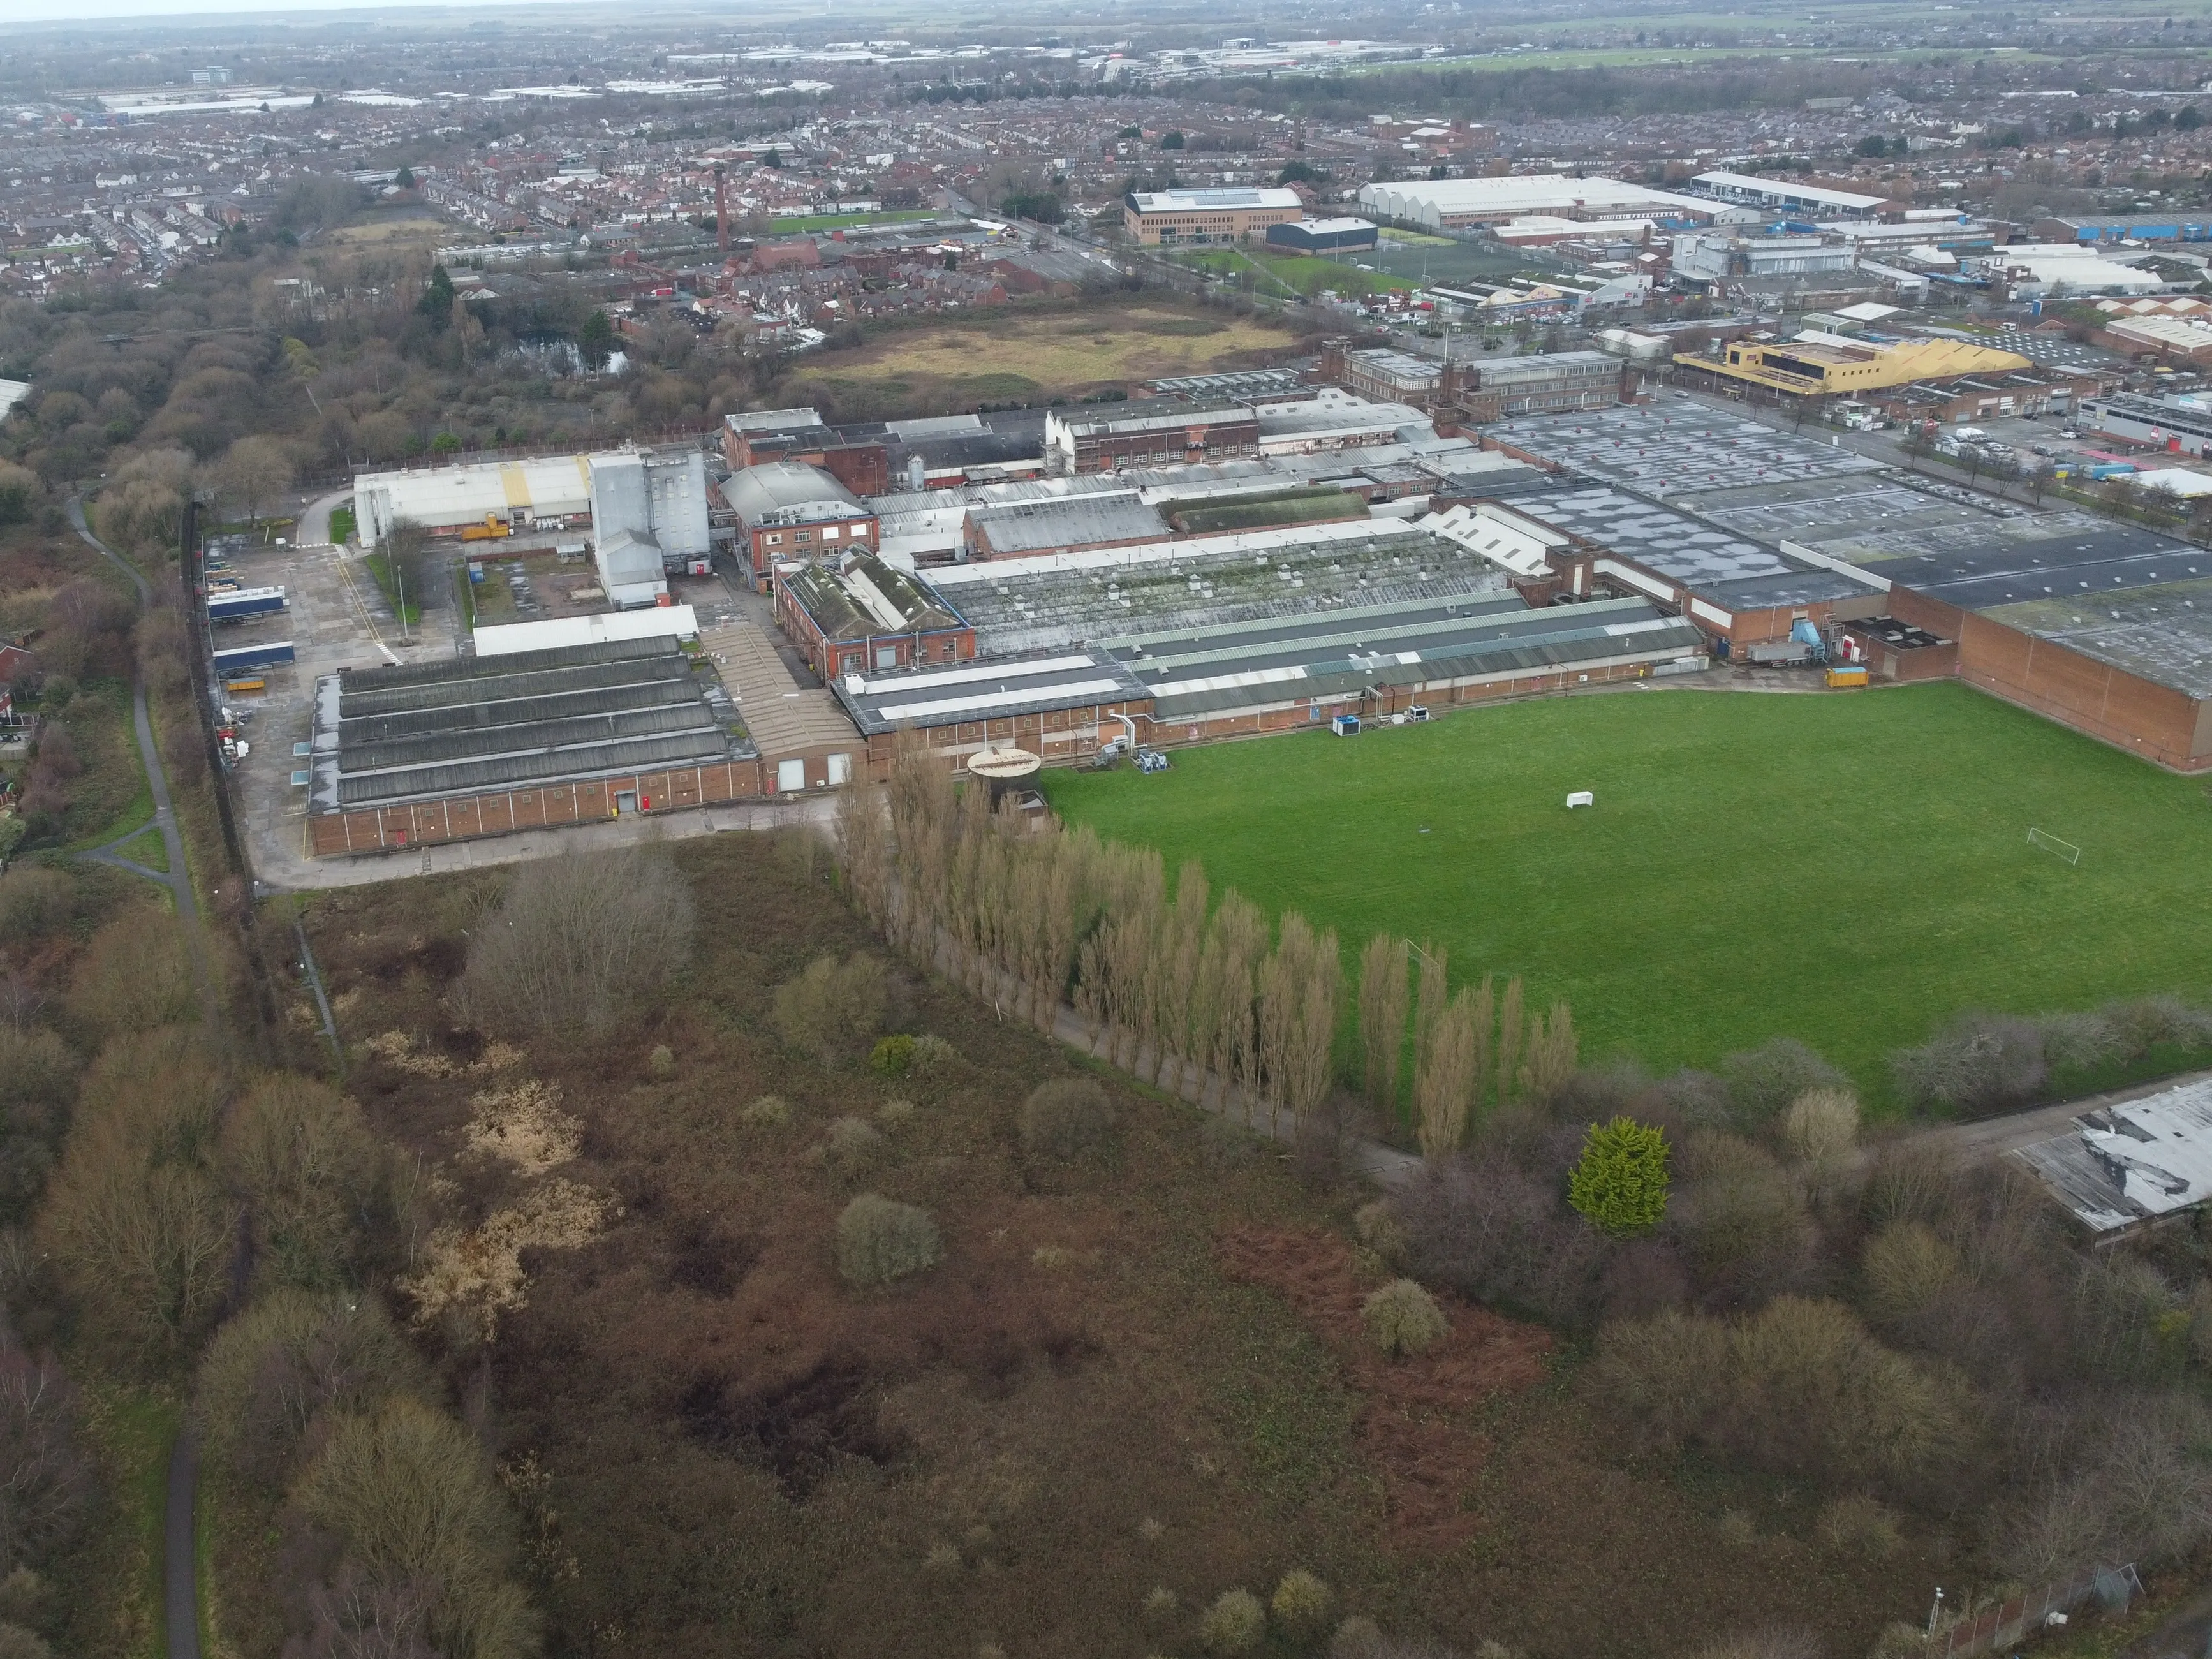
(2013, 1622)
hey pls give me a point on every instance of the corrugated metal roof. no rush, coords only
(505, 771)
(781, 718)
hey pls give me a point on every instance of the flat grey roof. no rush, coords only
(1677, 447)
(1676, 546)
(1292, 658)
(1067, 521)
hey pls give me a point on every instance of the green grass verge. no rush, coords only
(1289, 276)
(131, 1432)
(342, 524)
(846, 221)
(148, 848)
(380, 568)
(1849, 870)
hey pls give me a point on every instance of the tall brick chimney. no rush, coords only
(721, 213)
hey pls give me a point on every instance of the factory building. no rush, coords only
(1455, 204)
(1147, 432)
(547, 491)
(648, 522)
(1791, 198)
(1472, 388)
(461, 747)
(1060, 524)
(790, 510)
(1711, 257)
(858, 460)
(1816, 364)
(855, 614)
(1187, 218)
(1324, 236)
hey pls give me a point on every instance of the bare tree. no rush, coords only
(579, 938)
(1384, 998)
(137, 1223)
(1509, 1040)
(1444, 1085)
(252, 471)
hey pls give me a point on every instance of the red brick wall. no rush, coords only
(2155, 721)
(387, 829)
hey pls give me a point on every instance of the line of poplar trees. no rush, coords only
(1193, 993)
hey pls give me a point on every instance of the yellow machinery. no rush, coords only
(491, 529)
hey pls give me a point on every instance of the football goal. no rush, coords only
(2050, 844)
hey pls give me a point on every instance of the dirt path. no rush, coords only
(179, 1563)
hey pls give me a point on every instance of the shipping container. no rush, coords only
(235, 603)
(253, 656)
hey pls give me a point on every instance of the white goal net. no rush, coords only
(2051, 843)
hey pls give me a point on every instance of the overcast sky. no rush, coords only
(49, 11)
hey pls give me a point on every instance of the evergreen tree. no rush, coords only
(1620, 1181)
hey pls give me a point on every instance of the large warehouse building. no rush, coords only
(1455, 204)
(444, 500)
(1187, 218)
(1749, 533)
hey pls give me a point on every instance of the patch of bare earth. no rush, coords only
(1417, 1429)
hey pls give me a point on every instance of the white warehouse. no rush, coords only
(1453, 203)
(445, 500)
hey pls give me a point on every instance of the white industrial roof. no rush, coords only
(1215, 200)
(550, 485)
(2132, 1162)
(1515, 194)
(652, 622)
(1790, 190)
(11, 393)
(1192, 547)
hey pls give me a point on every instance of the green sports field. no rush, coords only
(1847, 869)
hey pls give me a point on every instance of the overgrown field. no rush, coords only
(1009, 359)
(1850, 871)
(1136, 1379)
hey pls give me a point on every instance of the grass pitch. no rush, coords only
(1851, 869)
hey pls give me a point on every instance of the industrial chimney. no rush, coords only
(721, 213)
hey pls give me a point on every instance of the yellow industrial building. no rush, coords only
(1833, 365)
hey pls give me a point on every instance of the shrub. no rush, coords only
(303, 1157)
(1739, 1215)
(1403, 1319)
(135, 976)
(766, 1109)
(832, 1007)
(932, 1053)
(879, 1241)
(269, 1375)
(660, 1064)
(1906, 1268)
(1491, 1230)
(1662, 1376)
(1234, 1624)
(893, 1056)
(1979, 1063)
(1860, 1526)
(1375, 1226)
(894, 1111)
(410, 1496)
(1159, 1601)
(18, 1643)
(851, 1141)
(1765, 1644)
(34, 902)
(1763, 1081)
(1821, 1127)
(1620, 1181)
(1911, 1181)
(46, 1484)
(1302, 1604)
(1066, 1117)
